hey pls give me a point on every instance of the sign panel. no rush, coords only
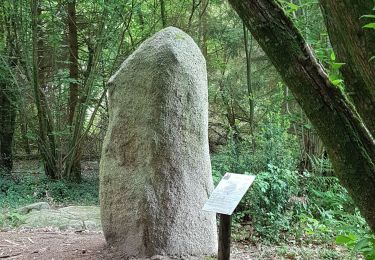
(228, 193)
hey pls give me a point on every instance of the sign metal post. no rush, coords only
(223, 200)
(224, 236)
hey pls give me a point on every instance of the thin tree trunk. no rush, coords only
(73, 60)
(8, 97)
(25, 140)
(141, 18)
(74, 86)
(203, 27)
(79, 118)
(231, 118)
(194, 7)
(46, 138)
(248, 51)
(7, 124)
(349, 143)
(163, 14)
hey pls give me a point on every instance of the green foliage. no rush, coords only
(327, 195)
(289, 7)
(334, 73)
(274, 146)
(329, 210)
(364, 245)
(268, 202)
(287, 252)
(33, 188)
(283, 204)
(11, 219)
(84, 193)
(369, 25)
(14, 193)
(320, 165)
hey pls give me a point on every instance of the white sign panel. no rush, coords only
(228, 193)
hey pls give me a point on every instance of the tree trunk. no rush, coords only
(354, 46)
(349, 143)
(74, 152)
(8, 97)
(203, 24)
(73, 60)
(46, 138)
(25, 139)
(73, 87)
(163, 14)
(248, 52)
(7, 124)
(141, 19)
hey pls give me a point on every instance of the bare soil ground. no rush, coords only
(50, 244)
(53, 244)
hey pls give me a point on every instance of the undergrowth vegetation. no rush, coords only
(30, 188)
(286, 205)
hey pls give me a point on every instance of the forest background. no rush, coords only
(56, 57)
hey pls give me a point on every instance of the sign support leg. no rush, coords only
(224, 236)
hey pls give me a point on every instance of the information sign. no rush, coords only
(228, 193)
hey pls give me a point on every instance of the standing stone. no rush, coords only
(155, 172)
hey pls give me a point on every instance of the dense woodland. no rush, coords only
(291, 100)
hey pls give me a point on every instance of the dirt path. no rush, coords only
(49, 244)
(52, 244)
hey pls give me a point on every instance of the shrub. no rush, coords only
(267, 203)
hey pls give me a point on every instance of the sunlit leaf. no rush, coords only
(368, 16)
(337, 65)
(293, 7)
(337, 82)
(369, 26)
(333, 56)
(343, 240)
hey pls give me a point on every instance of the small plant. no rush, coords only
(364, 245)
(15, 219)
(11, 219)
